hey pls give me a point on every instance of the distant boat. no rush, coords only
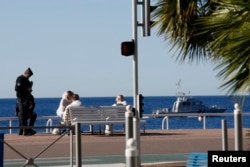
(187, 104)
(192, 105)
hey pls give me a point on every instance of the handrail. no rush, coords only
(165, 120)
(38, 117)
(49, 122)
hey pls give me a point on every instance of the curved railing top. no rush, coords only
(192, 114)
(39, 117)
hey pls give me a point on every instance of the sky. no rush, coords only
(75, 45)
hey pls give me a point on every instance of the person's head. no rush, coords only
(28, 73)
(119, 98)
(69, 95)
(75, 97)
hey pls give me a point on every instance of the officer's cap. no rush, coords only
(28, 71)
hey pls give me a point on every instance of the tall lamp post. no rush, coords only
(146, 28)
(129, 48)
(135, 56)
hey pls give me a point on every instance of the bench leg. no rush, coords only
(91, 129)
(100, 129)
(108, 129)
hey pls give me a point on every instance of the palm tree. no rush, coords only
(216, 30)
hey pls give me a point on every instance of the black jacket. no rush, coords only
(22, 87)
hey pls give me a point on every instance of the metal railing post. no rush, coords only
(165, 119)
(204, 122)
(71, 146)
(238, 127)
(10, 126)
(224, 135)
(129, 123)
(78, 145)
(136, 123)
(1, 149)
(131, 153)
(49, 124)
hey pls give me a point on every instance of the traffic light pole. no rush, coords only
(146, 32)
(135, 57)
(135, 76)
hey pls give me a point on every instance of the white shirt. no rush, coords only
(120, 103)
(63, 104)
(66, 116)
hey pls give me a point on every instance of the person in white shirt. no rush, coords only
(75, 102)
(120, 101)
(65, 101)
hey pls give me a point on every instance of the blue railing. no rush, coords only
(49, 121)
(200, 117)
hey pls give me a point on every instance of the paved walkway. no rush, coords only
(158, 147)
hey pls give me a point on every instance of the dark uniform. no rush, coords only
(23, 89)
(31, 114)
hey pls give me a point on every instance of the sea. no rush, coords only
(48, 106)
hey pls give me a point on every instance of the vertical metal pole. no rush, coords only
(71, 146)
(135, 70)
(78, 145)
(131, 153)
(135, 57)
(204, 122)
(129, 123)
(136, 123)
(10, 126)
(224, 135)
(1, 149)
(238, 128)
(167, 123)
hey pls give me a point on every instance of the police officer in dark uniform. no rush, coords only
(23, 90)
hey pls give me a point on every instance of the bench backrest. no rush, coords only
(102, 113)
(81, 113)
(113, 112)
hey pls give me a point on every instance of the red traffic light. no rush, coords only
(127, 48)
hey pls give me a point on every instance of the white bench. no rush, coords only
(103, 115)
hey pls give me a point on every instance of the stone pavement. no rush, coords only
(159, 148)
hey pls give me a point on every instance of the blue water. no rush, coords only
(48, 106)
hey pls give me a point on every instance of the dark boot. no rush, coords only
(28, 132)
(20, 132)
(31, 131)
(25, 132)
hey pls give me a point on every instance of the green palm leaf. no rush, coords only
(216, 30)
